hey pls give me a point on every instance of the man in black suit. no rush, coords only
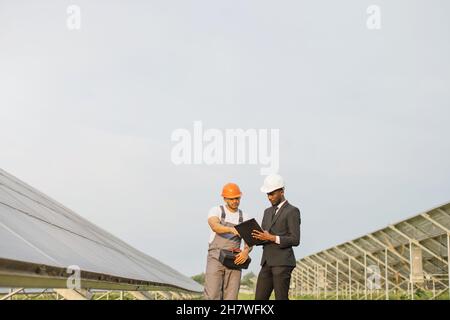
(281, 225)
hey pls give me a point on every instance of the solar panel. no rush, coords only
(40, 238)
(423, 238)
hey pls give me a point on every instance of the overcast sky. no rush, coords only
(87, 115)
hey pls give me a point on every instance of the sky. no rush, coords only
(87, 114)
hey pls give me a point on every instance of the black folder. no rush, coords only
(245, 231)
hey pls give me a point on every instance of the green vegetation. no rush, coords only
(200, 278)
(419, 295)
(249, 280)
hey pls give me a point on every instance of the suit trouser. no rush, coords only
(221, 282)
(276, 278)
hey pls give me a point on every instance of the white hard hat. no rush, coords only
(272, 182)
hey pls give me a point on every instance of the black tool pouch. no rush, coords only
(227, 258)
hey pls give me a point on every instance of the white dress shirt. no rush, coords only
(277, 238)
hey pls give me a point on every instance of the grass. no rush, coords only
(421, 295)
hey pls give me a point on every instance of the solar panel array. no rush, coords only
(40, 239)
(406, 259)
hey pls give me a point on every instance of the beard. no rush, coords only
(276, 203)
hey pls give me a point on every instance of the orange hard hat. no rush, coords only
(231, 190)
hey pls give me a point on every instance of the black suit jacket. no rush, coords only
(286, 225)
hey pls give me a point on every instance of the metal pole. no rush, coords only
(318, 284)
(301, 282)
(365, 276)
(307, 276)
(308, 283)
(434, 290)
(350, 278)
(316, 280)
(305, 289)
(386, 273)
(337, 280)
(448, 262)
(410, 270)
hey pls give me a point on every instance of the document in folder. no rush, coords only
(245, 230)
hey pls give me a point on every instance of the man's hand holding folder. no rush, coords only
(252, 233)
(264, 235)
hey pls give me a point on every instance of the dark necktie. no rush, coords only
(274, 212)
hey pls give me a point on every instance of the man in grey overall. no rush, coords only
(222, 282)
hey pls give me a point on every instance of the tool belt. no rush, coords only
(227, 257)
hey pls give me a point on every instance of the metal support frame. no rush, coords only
(365, 276)
(416, 242)
(402, 258)
(386, 282)
(350, 278)
(82, 294)
(448, 264)
(365, 266)
(341, 272)
(337, 279)
(437, 224)
(326, 280)
(326, 262)
(11, 294)
(72, 294)
(392, 250)
(411, 282)
(307, 277)
(367, 253)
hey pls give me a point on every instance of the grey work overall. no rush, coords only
(220, 281)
